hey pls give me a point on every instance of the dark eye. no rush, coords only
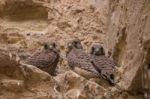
(101, 48)
(93, 48)
(54, 45)
(75, 42)
(46, 46)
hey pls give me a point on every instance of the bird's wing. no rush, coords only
(106, 66)
(42, 59)
(81, 60)
(103, 62)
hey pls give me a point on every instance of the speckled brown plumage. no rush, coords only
(79, 61)
(46, 59)
(103, 63)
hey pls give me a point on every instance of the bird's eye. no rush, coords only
(101, 48)
(54, 45)
(46, 46)
(75, 43)
(93, 48)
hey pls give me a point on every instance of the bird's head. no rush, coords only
(75, 43)
(50, 46)
(97, 49)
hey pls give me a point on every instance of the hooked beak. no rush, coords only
(69, 45)
(97, 50)
(50, 46)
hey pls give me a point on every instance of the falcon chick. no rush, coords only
(46, 59)
(79, 61)
(103, 63)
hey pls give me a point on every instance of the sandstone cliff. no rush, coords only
(122, 26)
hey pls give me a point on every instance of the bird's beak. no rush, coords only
(97, 50)
(69, 44)
(50, 46)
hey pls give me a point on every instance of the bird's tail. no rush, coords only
(111, 82)
(109, 79)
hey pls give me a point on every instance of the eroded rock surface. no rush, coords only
(127, 33)
(122, 26)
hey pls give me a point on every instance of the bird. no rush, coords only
(79, 61)
(46, 59)
(146, 80)
(103, 63)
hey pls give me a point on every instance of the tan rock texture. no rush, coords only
(121, 26)
(128, 39)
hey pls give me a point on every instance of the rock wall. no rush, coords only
(26, 24)
(128, 39)
(64, 18)
(122, 26)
